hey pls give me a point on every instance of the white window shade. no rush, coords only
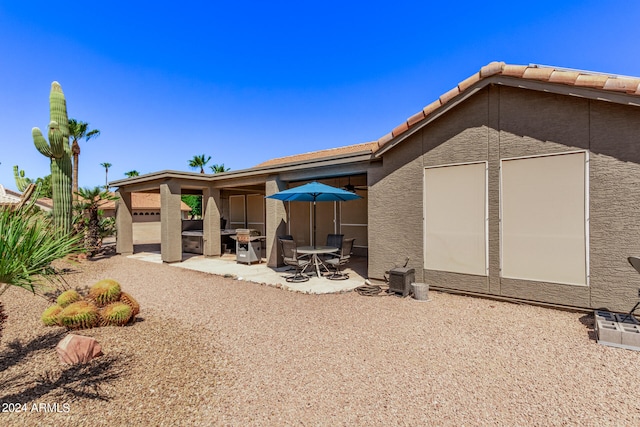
(455, 202)
(543, 218)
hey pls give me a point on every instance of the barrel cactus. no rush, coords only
(59, 151)
(68, 297)
(79, 315)
(115, 314)
(105, 291)
(131, 302)
(50, 315)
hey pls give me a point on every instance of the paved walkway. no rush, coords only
(260, 273)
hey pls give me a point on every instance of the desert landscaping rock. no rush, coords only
(210, 350)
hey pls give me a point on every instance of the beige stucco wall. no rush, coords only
(503, 122)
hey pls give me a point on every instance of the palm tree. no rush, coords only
(78, 130)
(132, 173)
(106, 167)
(219, 168)
(90, 200)
(199, 162)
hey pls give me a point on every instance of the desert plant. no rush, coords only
(106, 166)
(115, 314)
(50, 315)
(68, 297)
(78, 130)
(89, 206)
(219, 168)
(58, 151)
(131, 302)
(199, 162)
(21, 180)
(105, 291)
(79, 315)
(28, 246)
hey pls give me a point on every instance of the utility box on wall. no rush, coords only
(400, 280)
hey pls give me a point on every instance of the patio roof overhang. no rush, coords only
(334, 166)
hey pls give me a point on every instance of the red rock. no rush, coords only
(74, 349)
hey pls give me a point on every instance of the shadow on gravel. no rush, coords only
(18, 351)
(76, 381)
(588, 321)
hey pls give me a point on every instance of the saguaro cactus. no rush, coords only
(59, 151)
(21, 180)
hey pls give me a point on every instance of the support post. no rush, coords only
(170, 221)
(211, 210)
(276, 217)
(124, 223)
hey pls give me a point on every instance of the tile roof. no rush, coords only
(563, 76)
(556, 75)
(142, 201)
(349, 149)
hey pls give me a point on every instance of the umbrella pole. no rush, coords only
(314, 223)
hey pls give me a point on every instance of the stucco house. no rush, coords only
(9, 197)
(522, 182)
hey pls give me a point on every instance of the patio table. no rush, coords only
(314, 251)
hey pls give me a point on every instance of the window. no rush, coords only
(455, 217)
(543, 218)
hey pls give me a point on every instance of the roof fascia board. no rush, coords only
(540, 86)
(568, 90)
(212, 179)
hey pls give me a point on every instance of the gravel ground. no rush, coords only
(209, 350)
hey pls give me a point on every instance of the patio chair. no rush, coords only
(340, 261)
(335, 241)
(286, 237)
(291, 258)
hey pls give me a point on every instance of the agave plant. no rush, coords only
(29, 243)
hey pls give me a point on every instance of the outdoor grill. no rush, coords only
(248, 245)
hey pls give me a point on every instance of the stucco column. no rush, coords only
(211, 209)
(276, 217)
(170, 222)
(124, 223)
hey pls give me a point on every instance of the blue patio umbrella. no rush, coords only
(314, 192)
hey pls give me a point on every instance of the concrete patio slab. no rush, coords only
(226, 265)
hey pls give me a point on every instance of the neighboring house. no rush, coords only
(10, 197)
(522, 182)
(146, 207)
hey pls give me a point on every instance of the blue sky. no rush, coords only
(244, 82)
